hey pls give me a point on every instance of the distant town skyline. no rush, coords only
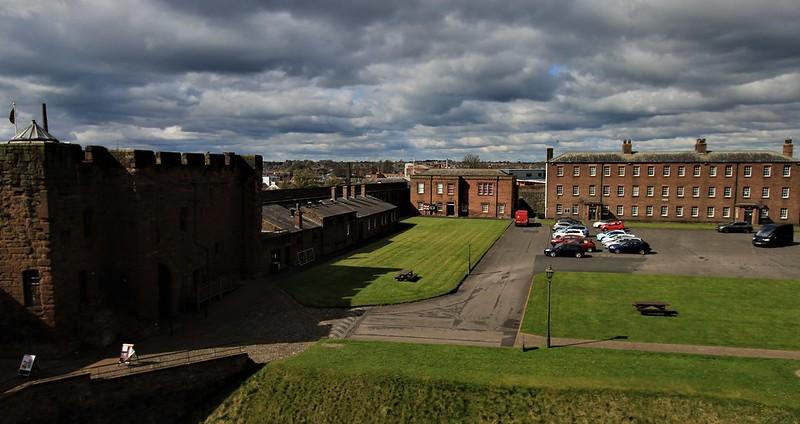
(404, 80)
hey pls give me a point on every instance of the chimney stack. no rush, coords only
(298, 216)
(333, 192)
(627, 147)
(788, 149)
(344, 191)
(700, 146)
(353, 191)
(549, 154)
(363, 190)
(44, 117)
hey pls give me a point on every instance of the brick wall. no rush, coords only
(469, 197)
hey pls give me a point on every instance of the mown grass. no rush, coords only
(388, 382)
(743, 312)
(435, 248)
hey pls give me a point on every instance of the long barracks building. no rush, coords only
(696, 186)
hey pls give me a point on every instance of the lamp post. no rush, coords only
(549, 273)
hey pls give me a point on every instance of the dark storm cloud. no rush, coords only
(405, 79)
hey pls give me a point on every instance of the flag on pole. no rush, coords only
(13, 115)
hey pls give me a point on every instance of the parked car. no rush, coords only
(569, 232)
(565, 249)
(582, 228)
(619, 239)
(771, 235)
(562, 223)
(613, 225)
(561, 238)
(630, 246)
(603, 236)
(521, 218)
(586, 244)
(597, 224)
(735, 227)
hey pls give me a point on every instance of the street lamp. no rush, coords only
(549, 273)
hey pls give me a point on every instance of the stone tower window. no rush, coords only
(30, 287)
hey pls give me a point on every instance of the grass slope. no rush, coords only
(434, 248)
(741, 312)
(388, 382)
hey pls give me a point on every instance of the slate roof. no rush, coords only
(33, 133)
(675, 157)
(361, 205)
(466, 172)
(282, 218)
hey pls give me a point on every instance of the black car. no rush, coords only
(630, 246)
(565, 249)
(735, 227)
(771, 235)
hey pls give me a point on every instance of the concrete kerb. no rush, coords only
(519, 341)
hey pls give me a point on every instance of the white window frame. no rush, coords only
(726, 212)
(634, 210)
(679, 211)
(651, 171)
(620, 191)
(748, 171)
(784, 213)
(620, 170)
(784, 192)
(575, 209)
(592, 190)
(606, 170)
(576, 171)
(593, 171)
(710, 212)
(484, 207)
(696, 171)
(763, 213)
(606, 190)
(648, 210)
(680, 191)
(420, 188)
(650, 191)
(559, 171)
(635, 191)
(787, 170)
(501, 208)
(559, 190)
(559, 209)
(576, 190)
(695, 211)
(681, 171)
(712, 192)
(746, 192)
(727, 192)
(765, 192)
(664, 191)
(767, 171)
(664, 210)
(712, 171)
(665, 171)
(439, 188)
(728, 170)
(695, 191)
(637, 170)
(620, 210)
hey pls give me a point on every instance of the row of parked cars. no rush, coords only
(768, 235)
(570, 238)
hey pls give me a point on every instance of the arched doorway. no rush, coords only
(164, 292)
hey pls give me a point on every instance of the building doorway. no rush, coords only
(748, 215)
(164, 292)
(451, 209)
(593, 212)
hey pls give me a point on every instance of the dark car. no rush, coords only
(735, 227)
(566, 249)
(771, 235)
(630, 246)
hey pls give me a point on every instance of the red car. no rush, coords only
(586, 244)
(558, 239)
(613, 225)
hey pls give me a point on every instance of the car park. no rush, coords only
(602, 236)
(613, 225)
(735, 227)
(565, 249)
(630, 246)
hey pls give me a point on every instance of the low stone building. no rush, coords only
(483, 193)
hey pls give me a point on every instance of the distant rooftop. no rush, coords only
(648, 157)
(466, 172)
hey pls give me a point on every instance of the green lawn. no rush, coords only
(743, 312)
(395, 382)
(434, 248)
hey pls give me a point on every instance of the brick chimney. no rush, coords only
(627, 147)
(788, 149)
(298, 216)
(333, 192)
(700, 146)
(549, 153)
(353, 191)
(344, 191)
(363, 190)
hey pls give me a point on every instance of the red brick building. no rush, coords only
(483, 193)
(696, 186)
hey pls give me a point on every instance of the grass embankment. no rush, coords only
(394, 382)
(434, 248)
(742, 312)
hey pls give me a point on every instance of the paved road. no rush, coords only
(485, 310)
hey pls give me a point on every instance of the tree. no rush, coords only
(472, 160)
(304, 178)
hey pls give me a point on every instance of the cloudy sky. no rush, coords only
(405, 79)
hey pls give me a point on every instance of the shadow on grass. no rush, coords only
(338, 287)
(586, 342)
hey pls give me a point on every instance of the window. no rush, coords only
(665, 171)
(559, 190)
(637, 170)
(651, 171)
(560, 171)
(727, 192)
(484, 207)
(620, 191)
(712, 192)
(576, 190)
(606, 190)
(728, 170)
(695, 211)
(184, 218)
(650, 191)
(787, 170)
(635, 191)
(712, 171)
(765, 193)
(487, 189)
(559, 209)
(607, 171)
(649, 211)
(748, 171)
(664, 191)
(501, 208)
(665, 211)
(419, 206)
(30, 287)
(621, 171)
(681, 171)
(439, 188)
(726, 212)
(764, 213)
(678, 210)
(620, 210)
(592, 171)
(696, 172)
(679, 191)
(784, 213)
(605, 211)
(420, 188)
(746, 192)
(767, 170)
(784, 192)
(576, 171)
(695, 191)
(634, 211)
(575, 209)
(88, 216)
(592, 191)
(710, 212)
(450, 189)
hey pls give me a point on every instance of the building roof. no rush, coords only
(33, 133)
(361, 205)
(282, 218)
(464, 172)
(675, 157)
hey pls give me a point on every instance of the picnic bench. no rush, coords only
(406, 275)
(653, 307)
